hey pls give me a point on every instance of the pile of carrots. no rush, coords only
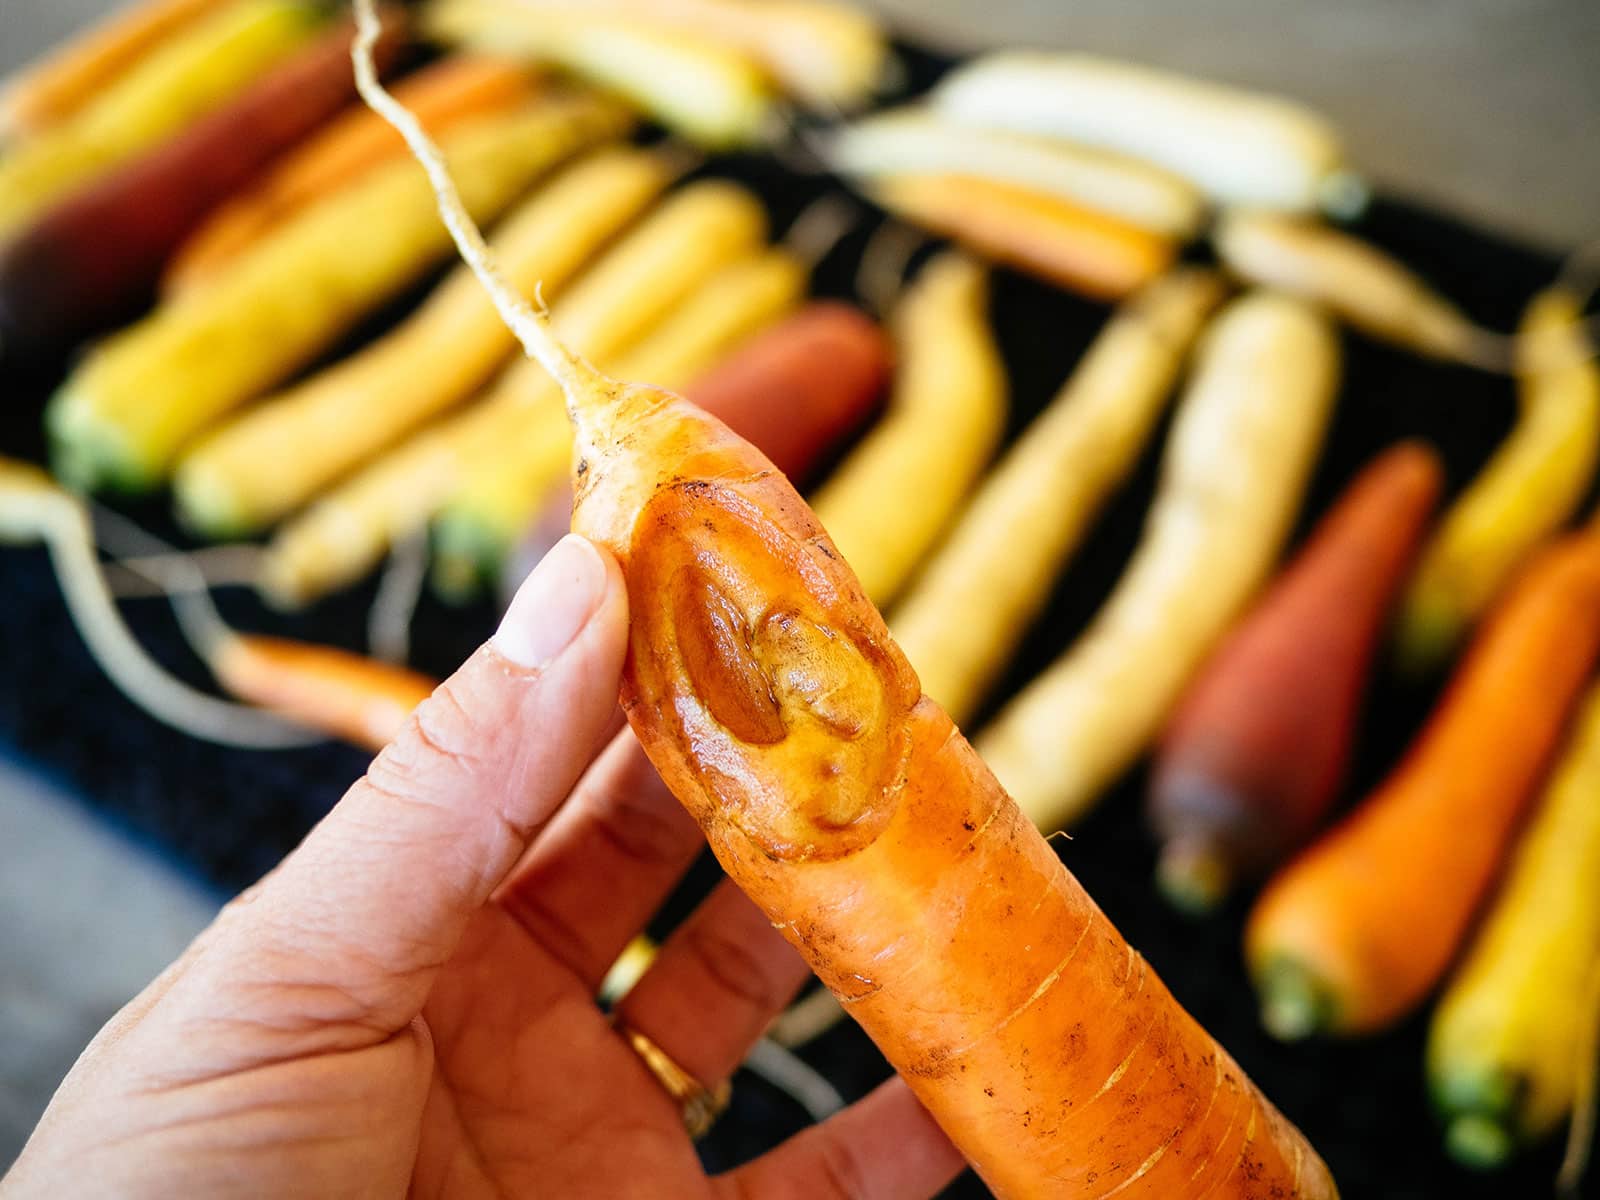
(194, 193)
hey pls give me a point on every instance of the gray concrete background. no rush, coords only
(1488, 108)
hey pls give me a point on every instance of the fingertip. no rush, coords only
(576, 587)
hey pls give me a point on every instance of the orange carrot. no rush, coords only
(1078, 248)
(1256, 750)
(766, 690)
(57, 86)
(358, 699)
(1354, 934)
(442, 95)
(93, 260)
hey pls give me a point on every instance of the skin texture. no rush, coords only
(767, 691)
(405, 1006)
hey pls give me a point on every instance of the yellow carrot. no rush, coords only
(637, 284)
(1237, 459)
(272, 460)
(889, 501)
(451, 91)
(976, 598)
(710, 94)
(138, 399)
(194, 72)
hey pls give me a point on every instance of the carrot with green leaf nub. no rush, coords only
(1355, 933)
(767, 691)
(1254, 755)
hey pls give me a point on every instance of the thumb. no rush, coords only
(355, 924)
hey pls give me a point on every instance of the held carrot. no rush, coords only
(92, 260)
(792, 392)
(709, 94)
(275, 458)
(699, 231)
(917, 140)
(1528, 490)
(1241, 448)
(457, 88)
(889, 501)
(768, 693)
(501, 493)
(1055, 239)
(1253, 756)
(1238, 147)
(65, 80)
(139, 398)
(1374, 292)
(989, 579)
(1353, 934)
(1502, 1067)
(198, 69)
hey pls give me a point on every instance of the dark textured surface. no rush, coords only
(231, 815)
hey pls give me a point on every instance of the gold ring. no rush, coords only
(701, 1105)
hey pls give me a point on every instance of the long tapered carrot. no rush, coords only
(1043, 235)
(355, 698)
(443, 95)
(59, 84)
(1353, 935)
(92, 261)
(1256, 750)
(766, 689)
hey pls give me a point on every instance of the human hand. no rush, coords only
(406, 1004)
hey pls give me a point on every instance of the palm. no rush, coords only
(532, 1093)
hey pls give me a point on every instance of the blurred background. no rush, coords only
(1487, 110)
(1490, 108)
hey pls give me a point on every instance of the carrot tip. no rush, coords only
(1479, 1142)
(1194, 876)
(1294, 1003)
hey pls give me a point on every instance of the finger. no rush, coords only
(883, 1147)
(715, 986)
(608, 860)
(351, 929)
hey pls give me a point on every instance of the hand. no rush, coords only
(406, 1004)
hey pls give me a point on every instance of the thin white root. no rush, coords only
(399, 589)
(1585, 1101)
(806, 1019)
(64, 527)
(795, 1078)
(532, 329)
(140, 576)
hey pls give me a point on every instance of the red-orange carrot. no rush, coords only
(766, 690)
(1353, 935)
(1043, 235)
(93, 260)
(1255, 752)
(443, 94)
(358, 699)
(792, 392)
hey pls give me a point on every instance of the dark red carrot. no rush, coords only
(1255, 752)
(794, 391)
(94, 259)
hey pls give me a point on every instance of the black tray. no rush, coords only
(230, 815)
